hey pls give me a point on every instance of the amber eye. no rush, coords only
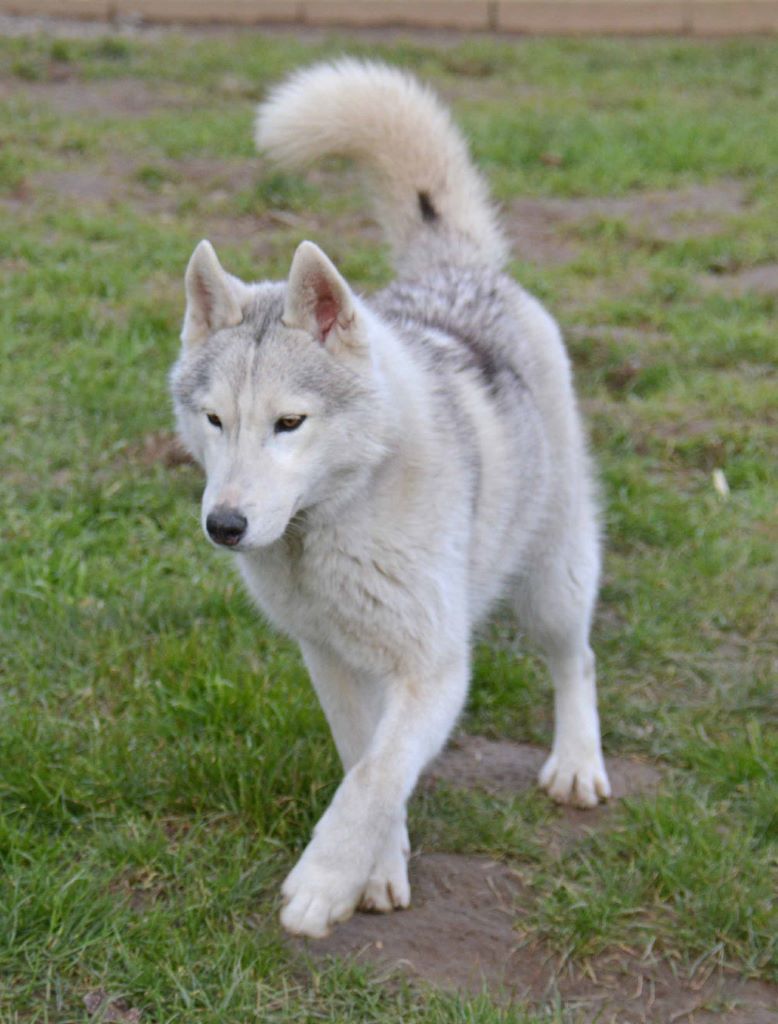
(285, 424)
(213, 419)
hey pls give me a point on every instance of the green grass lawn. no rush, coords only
(162, 757)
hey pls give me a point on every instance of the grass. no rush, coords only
(162, 758)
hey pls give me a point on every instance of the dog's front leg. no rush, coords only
(353, 705)
(352, 855)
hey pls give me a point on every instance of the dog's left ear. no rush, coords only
(214, 298)
(319, 301)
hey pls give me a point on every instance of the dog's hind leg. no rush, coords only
(575, 770)
(555, 607)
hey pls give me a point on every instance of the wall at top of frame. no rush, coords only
(542, 17)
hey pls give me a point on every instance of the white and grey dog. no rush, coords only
(385, 470)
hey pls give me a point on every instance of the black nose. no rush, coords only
(226, 525)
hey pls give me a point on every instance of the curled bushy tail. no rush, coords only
(431, 202)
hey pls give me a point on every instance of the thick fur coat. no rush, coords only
(384, 470)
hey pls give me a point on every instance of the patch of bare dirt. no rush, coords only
(114, 97)
(536, 230)
(121, 178)
(11, 266)
(213, 174)
(92, 185)
(500, 767)
(161, 446)
(464, 930)
(672, 214)
(140, 890)
(459, 932)
(464, 933)
(212, 181)
(110, 1009)
(542, 230)
(615, 333)
(623, 988)
(761, 280)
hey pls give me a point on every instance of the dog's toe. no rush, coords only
(315, 899)
(580, 781)
(387, 892)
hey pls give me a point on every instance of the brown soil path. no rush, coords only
(463, 931)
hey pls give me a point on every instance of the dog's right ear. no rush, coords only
(214, 298)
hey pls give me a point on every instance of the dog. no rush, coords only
(385, 470)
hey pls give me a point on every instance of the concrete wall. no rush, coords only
(562, 17)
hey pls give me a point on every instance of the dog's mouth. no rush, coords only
(229, 543)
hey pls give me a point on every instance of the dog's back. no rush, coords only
(502, 379)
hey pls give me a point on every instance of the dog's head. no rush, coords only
(276, 395)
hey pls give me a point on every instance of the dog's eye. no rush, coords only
(286, 423)
(213, 419)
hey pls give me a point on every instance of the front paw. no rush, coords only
(316, 897)
(575, 777)
(388, 887)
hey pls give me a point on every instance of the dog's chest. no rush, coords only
(296, 585)
(356, 598)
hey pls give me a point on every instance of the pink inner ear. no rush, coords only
(326, 314)
(205, 298)
(327, 308)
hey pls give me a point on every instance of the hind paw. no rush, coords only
(575, 778)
